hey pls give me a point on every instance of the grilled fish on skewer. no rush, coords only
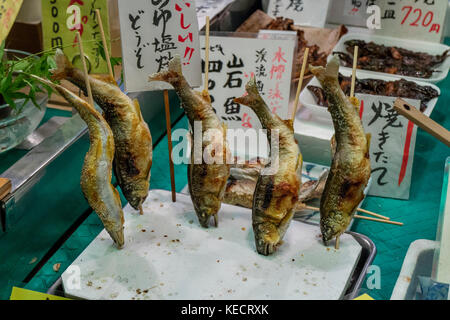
(96, 174)
(275, 195)
(207, 181)
(132, 138)
(350, 167)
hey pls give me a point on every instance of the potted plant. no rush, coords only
(22, 99)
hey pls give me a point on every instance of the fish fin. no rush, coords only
(104, 77)
(251, 95)
(137, 109)
(172, 74)
(63, 66)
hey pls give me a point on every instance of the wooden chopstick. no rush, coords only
(359, 209)
(422, 121)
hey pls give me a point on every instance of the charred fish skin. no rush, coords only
(207, 181)
(275, 195)
(350, 167)
(132, 137)
(96, 173)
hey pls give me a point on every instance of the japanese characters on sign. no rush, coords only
(303, 12)
(62, 19)
(392, 145)
(413, 19)
(233, 61)
(8, 12)
(152, 32)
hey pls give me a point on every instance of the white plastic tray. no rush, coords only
(413, 45)
(308, 100)
(167, 255)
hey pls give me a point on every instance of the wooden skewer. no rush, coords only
(336, 244)
(378, 220)
(86, 75)
(355, 62)
(424, 122)
(105, 44)
(206, 54)
(359, 209)
(169, 142)
(300, 82)
(5, 187)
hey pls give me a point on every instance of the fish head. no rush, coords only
(333, 225)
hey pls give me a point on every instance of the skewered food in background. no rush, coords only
(394, 60)
(96, 174)
(276, 192)
(350, 167)
(242, 183)
(132, 138)
(398, 88)
(207, 181)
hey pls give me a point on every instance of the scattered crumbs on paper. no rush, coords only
(244, 279)
(143, 230)
(138, 291)
(161, 284)
(89, 283)
(191, 221)
(220, 238)
(293, 259)
(158, 244)
(218, 261)
(328, 249)
(114, 295)
(305, 293)
(33, 260)
(243, 228)
(56, 267)
(98, 288)
(165, 236)
(161, 205)
(153, 230)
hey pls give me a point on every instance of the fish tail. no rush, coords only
(63, 66)
(172, 75)
(331, 71)
(251, 98)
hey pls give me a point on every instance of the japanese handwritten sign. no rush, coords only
(392, 145)
(350, 12)
(233, 61)
(303, 12)
(413, 19)
(62, 19)
(8, 13)
(152, 32)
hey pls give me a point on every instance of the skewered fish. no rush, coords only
(207, 181)
(276, 194)
(96, 174)
(132, 138)
(350, 167)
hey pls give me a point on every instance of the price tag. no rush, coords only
(152, 32)
(25, 294)
(392, 145)
(61, 20)
(413, 19)
(303, 12)
(233, 61)
(8, 13)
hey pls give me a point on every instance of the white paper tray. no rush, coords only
(213, 263)
(413, 45)
(308, 100)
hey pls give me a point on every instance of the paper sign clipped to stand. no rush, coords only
(62, 20)
(411, 19)
(233, 61)
(152, 32)
(392, 145)
(303, 12)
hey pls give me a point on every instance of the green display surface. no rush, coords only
(419, 214)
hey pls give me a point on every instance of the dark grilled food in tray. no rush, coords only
(393, 60)
(399, 88)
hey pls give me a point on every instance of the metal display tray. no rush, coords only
(366, 258)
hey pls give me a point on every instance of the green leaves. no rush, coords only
(115, 61)
(15, 82)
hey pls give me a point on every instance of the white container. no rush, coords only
(308, 100)
(413, 45)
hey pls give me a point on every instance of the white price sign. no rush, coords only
(303, 12)
(413, 19)
(152, 32)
